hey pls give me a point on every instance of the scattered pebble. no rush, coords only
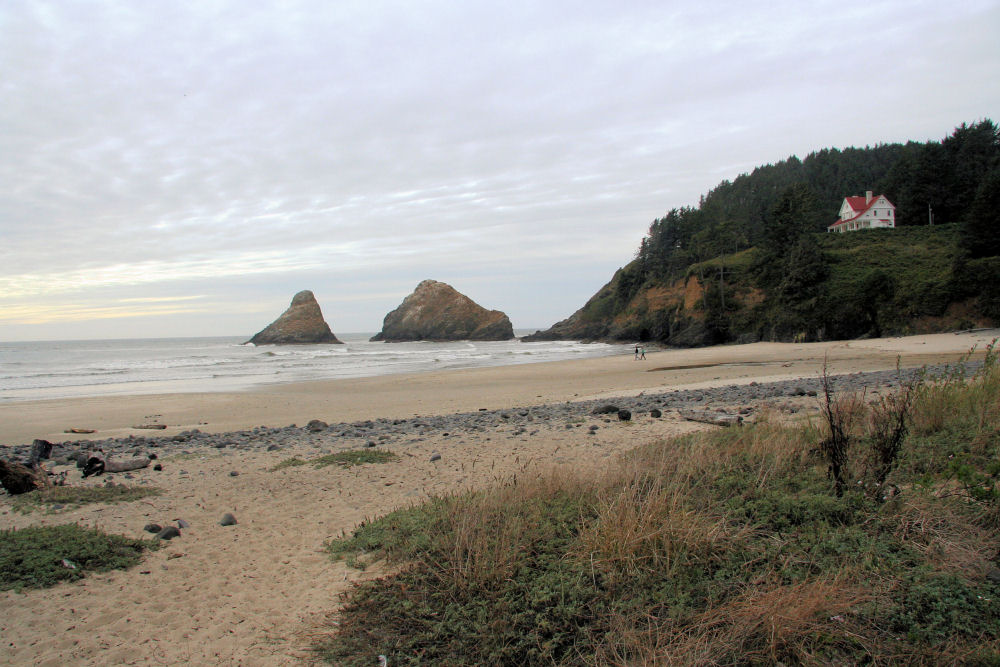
(168, 533)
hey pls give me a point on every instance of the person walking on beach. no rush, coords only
(642, 353)
(637, 353)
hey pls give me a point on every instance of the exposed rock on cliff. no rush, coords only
(302, 323)
(670, 313)
(437, 312)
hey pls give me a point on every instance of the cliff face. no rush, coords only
(437, 312)
(302, 323)
(670, 313)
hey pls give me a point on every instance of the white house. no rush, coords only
(864, 213)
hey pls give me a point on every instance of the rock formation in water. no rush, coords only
(437, 312)
(302, 323)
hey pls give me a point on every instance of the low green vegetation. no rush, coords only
(736, 546)
(293, 462)
(58, 498)
(347, 459)
(42, 556)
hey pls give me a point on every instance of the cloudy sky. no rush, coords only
(183, 168)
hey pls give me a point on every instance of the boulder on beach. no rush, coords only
(301, 324)
(436, 311)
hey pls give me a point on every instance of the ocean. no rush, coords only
(62, 369)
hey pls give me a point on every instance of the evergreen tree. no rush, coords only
(981, 225)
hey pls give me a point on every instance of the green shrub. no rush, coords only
(69, 497)
(42, 556)
(346, 459)
(934, 607)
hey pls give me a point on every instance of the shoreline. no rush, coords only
(467, 390)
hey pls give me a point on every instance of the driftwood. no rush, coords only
(151, 426)
(96, 464)
(40, 450)
(80, 430)
(17, 478)
(124, 465)
(709, 417)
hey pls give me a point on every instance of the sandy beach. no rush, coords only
(257, 593)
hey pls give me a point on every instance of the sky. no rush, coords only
(184, 168)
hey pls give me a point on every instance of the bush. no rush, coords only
(43, 556)
(69, 497)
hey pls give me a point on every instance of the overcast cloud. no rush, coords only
(183, 168)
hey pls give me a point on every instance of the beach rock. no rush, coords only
(227, 520)
(168, 533)
(605, 410)
(152, 528)
(655, 413)
(624, 415)
(181, 523)
(435, 311)
(301, 324)
(435, 457)
(316, 425)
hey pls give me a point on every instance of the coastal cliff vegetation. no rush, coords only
(753, 260)
(868, 536)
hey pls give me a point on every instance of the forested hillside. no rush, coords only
(753, 260)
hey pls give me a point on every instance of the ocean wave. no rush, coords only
(42, 369)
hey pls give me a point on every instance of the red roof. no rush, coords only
(859, 203)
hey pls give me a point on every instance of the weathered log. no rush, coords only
(17, 478)
(124, 465)
(151, 426)
(709, 417)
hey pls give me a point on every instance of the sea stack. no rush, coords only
(437, 312)
(301, 324)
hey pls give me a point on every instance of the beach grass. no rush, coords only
(346, 459)
(58, 498)
(735, 546)
(42, 556)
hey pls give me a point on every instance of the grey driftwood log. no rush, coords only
(709, 417)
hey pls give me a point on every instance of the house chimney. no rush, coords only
(868, 196)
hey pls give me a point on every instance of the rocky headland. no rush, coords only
(436, 311)
(301, 324)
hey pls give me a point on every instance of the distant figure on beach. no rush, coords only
(637, 353)
(642, 353)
